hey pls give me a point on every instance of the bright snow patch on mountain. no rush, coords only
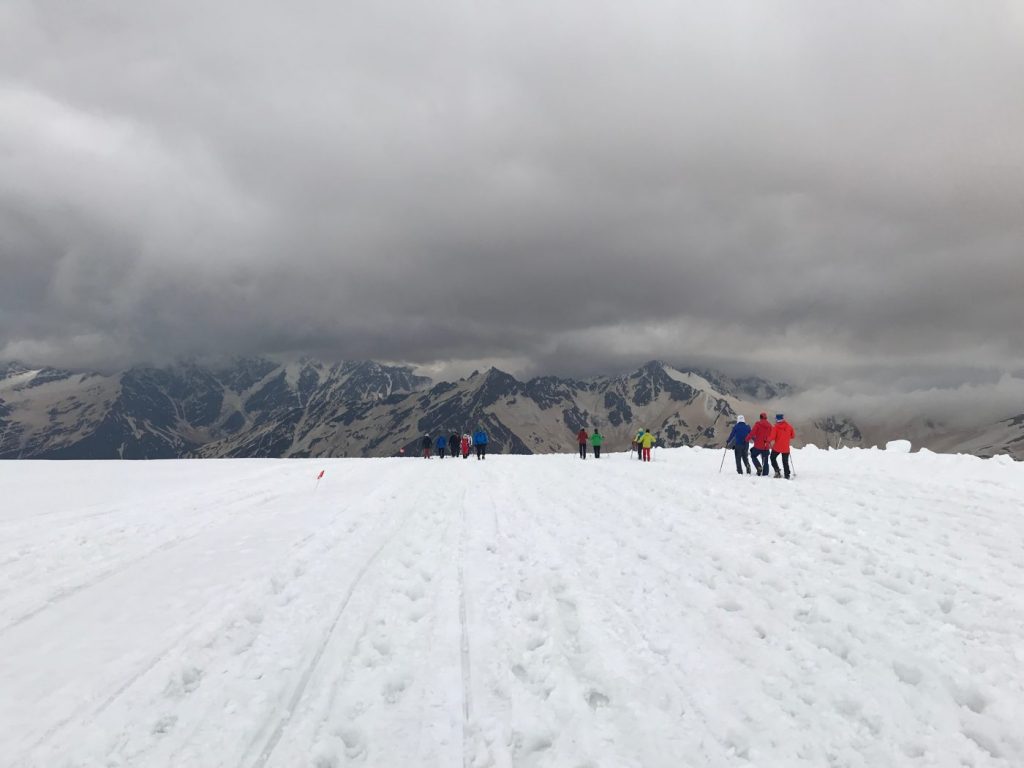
(520, 611)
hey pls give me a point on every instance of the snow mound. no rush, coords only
(898, 446)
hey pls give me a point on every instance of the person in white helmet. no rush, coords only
(738, 442)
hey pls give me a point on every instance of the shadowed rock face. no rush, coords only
(257, 407)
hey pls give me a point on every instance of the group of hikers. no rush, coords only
(455, 444)
(642, 443)
(595, 440)
(770, 441)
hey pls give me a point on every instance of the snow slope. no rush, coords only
(520, 611)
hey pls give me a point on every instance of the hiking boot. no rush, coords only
(778, 475)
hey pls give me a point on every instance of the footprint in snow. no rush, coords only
(907, 673)
(183, 682)
(414, 593)
(164, 725)
(535, 642)
(394, 688)
(354, 740)
(970, 697)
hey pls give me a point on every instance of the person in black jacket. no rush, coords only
(426, 446)
(453, 444)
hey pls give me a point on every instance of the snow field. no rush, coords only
(519, 611)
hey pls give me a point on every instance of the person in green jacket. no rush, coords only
(646, 441)
(595, 440)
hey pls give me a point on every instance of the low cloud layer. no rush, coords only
(815, 192)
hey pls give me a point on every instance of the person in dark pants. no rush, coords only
(442, 446)
(595, 440)
(738, 442)
(581, 440)
(760, 435)
(480, 441)
(426, 446)
(453, 444)
(780, 436)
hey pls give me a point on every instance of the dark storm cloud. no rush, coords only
(805, 190)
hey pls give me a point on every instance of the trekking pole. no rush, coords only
(725, 452)
(792, 463)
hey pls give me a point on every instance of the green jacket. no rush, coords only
(597, 438)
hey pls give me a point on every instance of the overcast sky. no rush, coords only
(816, 191)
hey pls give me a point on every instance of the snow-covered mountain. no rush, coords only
(257, 407)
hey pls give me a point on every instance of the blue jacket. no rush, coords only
(479, 437)
(739, 433)
(442, 443)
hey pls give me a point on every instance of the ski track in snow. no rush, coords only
(518, 611)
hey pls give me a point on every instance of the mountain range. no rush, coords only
(256, 407)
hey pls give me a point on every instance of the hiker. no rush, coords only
(581, 440)
(480, 441)
(760, 436)
(738, 442)
(441, 445)
(465, 446)
(453, 444)
(636, 444)
(646, 440)
(425, 443)
(595, 440)
(780, 436)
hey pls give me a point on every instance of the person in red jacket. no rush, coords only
(760, 435)
(781, 434)
(581, 438)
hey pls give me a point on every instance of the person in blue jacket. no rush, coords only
(480, 441)
(441, 444)
(738, 442)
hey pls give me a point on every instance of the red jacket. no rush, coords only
(760, 433)
(581, 438)
(781, 434)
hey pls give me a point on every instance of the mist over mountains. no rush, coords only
(256, 407)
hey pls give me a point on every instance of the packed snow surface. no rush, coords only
(516, 611)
